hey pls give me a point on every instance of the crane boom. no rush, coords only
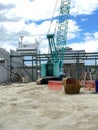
(63, 23)
(61, 35)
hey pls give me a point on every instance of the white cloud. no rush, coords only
(96, 35)
(83, 6)
(7, 46)
(44, 46)
(14, 26)
(84, 19)
(90, 43)
(73, 29)
(26, 10)
(13, 14)
(88, 36)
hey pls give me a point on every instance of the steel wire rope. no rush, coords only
(52, 16)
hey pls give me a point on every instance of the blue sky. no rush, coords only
(14, 16)
(87, 24)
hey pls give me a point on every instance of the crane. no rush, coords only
(57, 44)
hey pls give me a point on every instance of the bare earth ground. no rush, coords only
(35, 107)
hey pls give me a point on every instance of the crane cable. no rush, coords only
(52, 16)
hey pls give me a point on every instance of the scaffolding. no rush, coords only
(76, 70)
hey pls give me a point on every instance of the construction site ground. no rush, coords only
(27, 106)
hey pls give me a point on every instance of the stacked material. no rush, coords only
(41, 81)
(25, 79)
(71, 86)
(38, 81)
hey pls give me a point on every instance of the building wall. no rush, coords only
(5, 66)
(72, 70)
(73, 53)
(70, 66)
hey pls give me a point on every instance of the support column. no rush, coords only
(77, 66)
(10, 68)
(32, 69)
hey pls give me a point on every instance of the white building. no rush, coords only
(73, 53)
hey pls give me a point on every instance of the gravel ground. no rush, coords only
(28, 106)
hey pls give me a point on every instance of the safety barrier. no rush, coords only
(89, 85)
(55, 85)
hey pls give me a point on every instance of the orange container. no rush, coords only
(55, 85)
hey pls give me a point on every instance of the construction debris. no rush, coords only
(25, 79)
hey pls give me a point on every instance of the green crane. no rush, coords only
(57, 43)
